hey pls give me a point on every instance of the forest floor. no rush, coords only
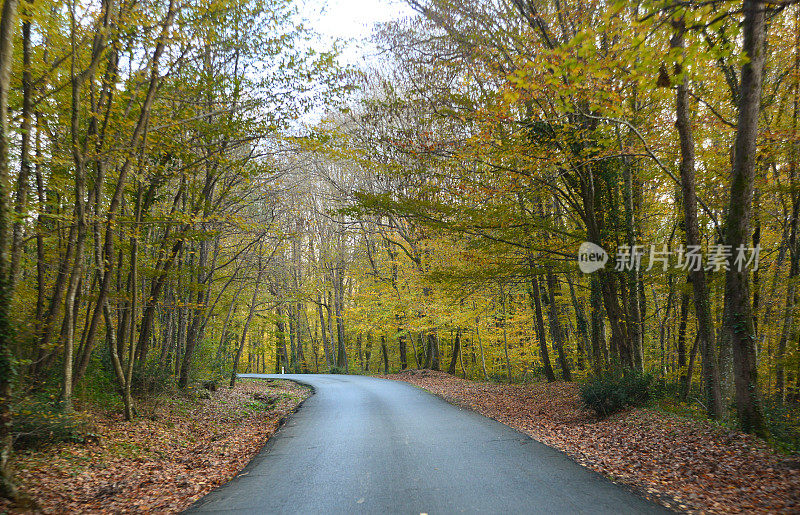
(685, 464)
(176, 451)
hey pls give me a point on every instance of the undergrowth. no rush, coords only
(612, 392)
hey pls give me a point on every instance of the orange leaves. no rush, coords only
(176, 453)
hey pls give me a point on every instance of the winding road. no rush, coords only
(368, 445)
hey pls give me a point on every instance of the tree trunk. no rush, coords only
(24, 157)
(341, 349)
(580, 322)
(280, 341)
(682, 337)
(116, 361)
(789, 331)
(247, 321)
(598, 327)
(401, 341)
(325, 346)
(702, 302)
(368, 352)
(505, 334)
(360, 355)
(385, 353)
(222, 338)
(535, 294)
(634, 316)
(7, 371)
(300, 310)
(437, 355)
(480, 347)
(739, 322)
(687, 386)
(451, 369)
(461, 358)
(556, 329)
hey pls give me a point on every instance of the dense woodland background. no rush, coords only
(166, 216)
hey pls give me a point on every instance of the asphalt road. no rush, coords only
(367, 445)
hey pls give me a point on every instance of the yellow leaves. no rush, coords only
(511, 96)
(617, 7)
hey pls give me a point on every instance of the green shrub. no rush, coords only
(151, 380)
(39, 422)
(537, 371)
(612, 392)
(337, 370)
(783, 422)
(498, 377)
(99, 388)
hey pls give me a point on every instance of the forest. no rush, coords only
(169, 215)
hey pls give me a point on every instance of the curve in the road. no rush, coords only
(368, 445)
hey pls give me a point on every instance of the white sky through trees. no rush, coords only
(349, 24)
(352, 22)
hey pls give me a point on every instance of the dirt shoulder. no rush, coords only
(173, 454)
(686, 464)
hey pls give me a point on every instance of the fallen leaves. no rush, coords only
(162, 463)
(685, 464)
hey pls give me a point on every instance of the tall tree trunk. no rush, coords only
(684, 316)
(325, 345)
(385, 354)
(368, 352)
(300, 310)
(437, 357)
(251, 312)
(401, 341)
(451, 369)
(634, 317)
(580, 322)
(116, 361)
(509, 375)
(200, 312)
(7, 371)
(341, 349)
(535, 294)
(480, 347)
(280, 341)
(427, 347)
(329, 309)
(292, 337)
(739, 320)
(359, 341)
(789, 331)
(705, 322)
(556, 329)
(25, 154)
(687, 386)
(598, 326)
(224, 332)
(606, 280)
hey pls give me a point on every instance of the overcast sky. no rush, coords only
(353, 21)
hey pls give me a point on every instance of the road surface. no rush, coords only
(367, 445)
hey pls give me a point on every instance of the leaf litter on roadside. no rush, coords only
(161, 462)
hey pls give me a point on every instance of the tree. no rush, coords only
(8, 17)
(738, 308)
